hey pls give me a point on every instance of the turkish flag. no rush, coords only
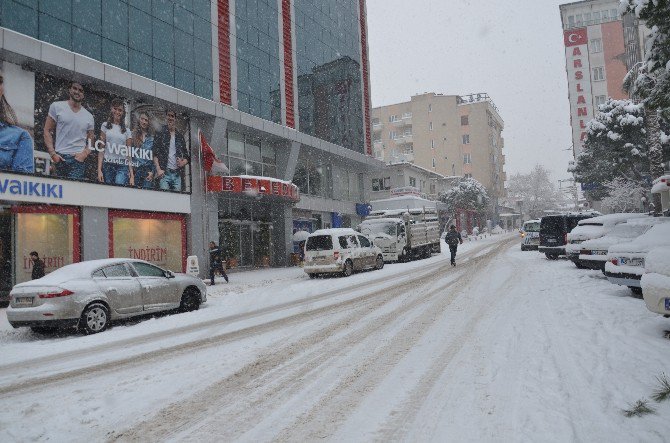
(209, 160)
(575, 37)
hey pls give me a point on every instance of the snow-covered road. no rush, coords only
(505, 347)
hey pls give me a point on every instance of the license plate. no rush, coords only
(551, 240)
(667, 304)
(23, 300)
(631, 261)
(599, 252)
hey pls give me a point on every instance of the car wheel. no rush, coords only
(380, 262)
(637, 292)
(579, 265)
(523, 248)
(428, 253)
(552, 256)
(348, 268)
(94, 319)
(190, 300)
(312, 275)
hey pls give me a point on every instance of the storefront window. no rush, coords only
(52, 232)
(157, 238)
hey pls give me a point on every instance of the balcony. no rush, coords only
(409, 138)
(377, 126)
(377, 142)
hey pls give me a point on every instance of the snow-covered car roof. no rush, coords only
(381, 221)
(335, 231)
(611, 219)
(658, 235)
(574, 214)
(621, 233)
(74, 271)
(587, 232)
(658, 261)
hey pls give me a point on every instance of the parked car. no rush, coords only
(91, 294)
(593, 253)
(554, 231)
(340, 250)
(655, 281)
(591, 228)
(625, 261)
(530, 235)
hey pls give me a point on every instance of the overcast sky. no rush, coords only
(512, 49)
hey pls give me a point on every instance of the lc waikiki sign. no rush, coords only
(579, 84)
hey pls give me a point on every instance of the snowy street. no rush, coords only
(507, 346)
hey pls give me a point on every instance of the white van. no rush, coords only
(530, 235)
(340, 250)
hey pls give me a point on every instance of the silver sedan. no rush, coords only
(91, 294)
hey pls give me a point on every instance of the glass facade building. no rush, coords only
(257, 50)
(328, 59)
(169, 41)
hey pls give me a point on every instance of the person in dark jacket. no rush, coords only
(453, 239)
(170, 155)
(215, 262)
(38, 266)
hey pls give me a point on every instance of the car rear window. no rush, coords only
(552, 225)
(531, 227)
(319, 243)
(348, 241)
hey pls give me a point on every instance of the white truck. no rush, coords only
(403, 234)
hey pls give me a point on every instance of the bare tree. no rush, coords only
(535, 190)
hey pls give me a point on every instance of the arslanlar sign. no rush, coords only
(579, 83)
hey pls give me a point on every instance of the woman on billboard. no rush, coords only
(16, 145)
(143, 137)
(114, 161)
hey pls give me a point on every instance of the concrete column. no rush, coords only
(287, 160)
(94, 233)
(200, 225)
(282, 234)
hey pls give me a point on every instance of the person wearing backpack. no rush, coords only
(453, 239)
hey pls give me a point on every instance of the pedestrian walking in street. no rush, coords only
(453, 239)
(38, 266)
(215, 263)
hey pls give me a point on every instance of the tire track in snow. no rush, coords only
(27, 366)
(242, 400)
(396, 427)
(272, 377)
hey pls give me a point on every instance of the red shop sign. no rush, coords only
(253, 185)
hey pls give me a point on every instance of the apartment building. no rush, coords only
(449, 134)
(600, 48)
(263, 82)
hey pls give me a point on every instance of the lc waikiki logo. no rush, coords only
(134, 152)
(30, 188)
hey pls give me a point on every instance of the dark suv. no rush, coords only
(554, 231)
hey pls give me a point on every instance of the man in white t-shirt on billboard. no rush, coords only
(73, 127)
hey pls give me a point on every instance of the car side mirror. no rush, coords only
(169, 274)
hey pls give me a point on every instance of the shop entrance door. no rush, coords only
(246, 241)
(246, 244)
